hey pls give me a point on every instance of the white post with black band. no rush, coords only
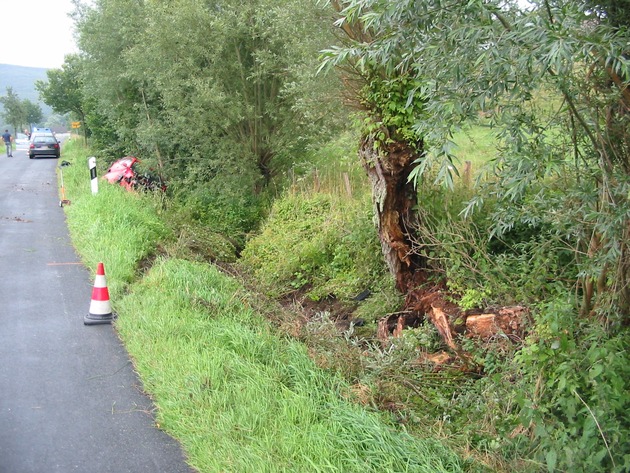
(93, 180)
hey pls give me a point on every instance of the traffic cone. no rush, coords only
(100, 307)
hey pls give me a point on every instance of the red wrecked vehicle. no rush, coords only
(124, 172)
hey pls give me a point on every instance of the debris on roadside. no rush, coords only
(125, 173)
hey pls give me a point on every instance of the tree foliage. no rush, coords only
(477, 56)
(32, 112)
(63, 89)
(221, 97)
(14, 112)
(201, 82)
(20, 113)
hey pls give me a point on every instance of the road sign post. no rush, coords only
(93, 180)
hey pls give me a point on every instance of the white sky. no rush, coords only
(36, 33)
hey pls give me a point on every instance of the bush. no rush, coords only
(318, 243)
(579, 378)
(225, 209)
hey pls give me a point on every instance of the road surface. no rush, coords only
(69, 398)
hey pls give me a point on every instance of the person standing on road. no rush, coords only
(6, 137)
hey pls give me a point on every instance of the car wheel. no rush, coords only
(30, 156)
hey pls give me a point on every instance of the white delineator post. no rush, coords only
(93, 180)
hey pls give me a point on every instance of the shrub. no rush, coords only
(317, 242)
(579, 378)
(223, 206)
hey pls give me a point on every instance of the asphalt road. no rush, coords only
(69, 398)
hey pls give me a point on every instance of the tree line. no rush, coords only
(19, 113)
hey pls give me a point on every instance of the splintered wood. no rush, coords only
(508, 321)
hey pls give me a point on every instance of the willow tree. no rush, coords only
(214, 86)
(109, 95)
(449, 60)
(220, 95)
(389, 146)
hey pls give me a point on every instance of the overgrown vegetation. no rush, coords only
(236, 392)
(549, 400)
(263, 180)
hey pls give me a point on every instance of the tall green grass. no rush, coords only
(332, 242)
(242, 398)
(237, 395)
(118, 228)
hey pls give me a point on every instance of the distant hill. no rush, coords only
(22, 79)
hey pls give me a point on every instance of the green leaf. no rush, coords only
(595, 371)
(552, 458)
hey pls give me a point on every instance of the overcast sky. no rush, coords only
(35, 33)
(38, 33)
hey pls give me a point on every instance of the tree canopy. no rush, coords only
(469, 57)
(240, 72)
(221, 97)
(63, 89)
(14, 112)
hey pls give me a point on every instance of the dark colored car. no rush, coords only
(43, 144)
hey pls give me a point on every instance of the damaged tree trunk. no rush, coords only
(388, 164)
(394, 199)
(395, 202)
(393, 101)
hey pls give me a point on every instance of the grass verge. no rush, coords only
(238, 395)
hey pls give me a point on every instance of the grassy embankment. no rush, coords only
(237, 394)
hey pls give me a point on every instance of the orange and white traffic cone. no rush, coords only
(100, 307)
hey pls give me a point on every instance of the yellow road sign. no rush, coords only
(76, 124)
